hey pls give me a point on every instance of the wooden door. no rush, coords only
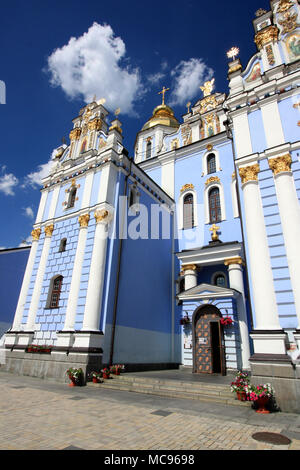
(208, 344)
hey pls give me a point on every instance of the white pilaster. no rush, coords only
(76, 275)
(53, 204)
(39, 279)
(26, 280)
(87, 190)
(236, 281)
(290, 219)
(92, 310)
(264, 298)
(168, 177)
(242, 133)
(272, 122)
(41, 209)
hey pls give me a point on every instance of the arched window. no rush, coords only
(62, 245)
(148, 149)
(220, 280)
(215, 214)
(72, 198)
(211, 163)
(54, 293)
(188, 211)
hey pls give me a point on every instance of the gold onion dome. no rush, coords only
(162, 115)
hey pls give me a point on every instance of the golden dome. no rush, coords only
(162, 115)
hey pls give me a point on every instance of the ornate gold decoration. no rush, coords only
(95, 124)
(208, 87)
(102, 143)
(260, 12)
(84, 220)
(49, 230)
(280, 164)
(214, 236)
(209, 147)
(296, 105)
(186, 133)
(288, 22)
(189, 267)
(36, 233)
(101, 215)
(208, 104)
(75, 133)
(212, 179)
(266, 36)
(230, 261)
(284, 5)
(163, 92)
(270, 54)
(174, 144)
(254, 74)
(249, 173)
(188, 106)
(235, 68)
(115, 127)
(162, 115)
(187, 186)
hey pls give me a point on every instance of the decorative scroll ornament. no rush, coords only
(36, 233)
(189, 267)
(213, 179)
(235, 68)
(270, 54)
(95, 124)
(230, 261)
(84, 220)
(101, 215)
(260, 12)
(186, 187)
(186, 133)
(284, 5)
(49, 230)
(280, 164)
(266, 36)
(288, 22)
(75, 133)
(249, 173)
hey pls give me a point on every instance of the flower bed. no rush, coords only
(35, 348)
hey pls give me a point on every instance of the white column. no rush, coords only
(87, 190)
(290, 219)
(26, 280)
(242, 133)
(236, 281)
(190, 276)
(92, 310)
(53, 204)
(76, 275)
(264, 298)
(272, 122)
(39, 279)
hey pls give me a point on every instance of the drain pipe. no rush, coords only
(116, 296)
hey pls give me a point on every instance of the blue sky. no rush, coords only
(130, 50)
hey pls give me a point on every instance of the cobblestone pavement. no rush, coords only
(41, 415)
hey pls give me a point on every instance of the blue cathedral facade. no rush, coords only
(185, 253)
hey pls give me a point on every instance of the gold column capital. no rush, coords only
(84, 220)
(36, 233)
(75, 133)
(101, 215)
(230, 261)
(280, 164)
(189, 267)
(266, 36)
(249, 173)
(49, 230)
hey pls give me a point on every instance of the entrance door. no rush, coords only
(208, 343)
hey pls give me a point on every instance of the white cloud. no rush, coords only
(26, 242)
(8, 182)
(29, 212)
(188, 76)
(91, 65)
(155, 78)
(34, 179)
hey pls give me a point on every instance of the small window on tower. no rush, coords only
(188, 211)
(211, 163)
(62, 245)
(72, 198)
(148, 149)
(54, 292)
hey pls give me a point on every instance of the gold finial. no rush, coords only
(188, 106)
(214, 236)
(102, 101)
(208, 87)
(234, 51)
(162, 92)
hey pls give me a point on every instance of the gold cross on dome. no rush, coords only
(188, 106)
(214, 229)
(162, 92)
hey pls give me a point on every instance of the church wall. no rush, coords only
(60, 207)
(290, 118)
(155, 174)
(47, 205)
(257, 133)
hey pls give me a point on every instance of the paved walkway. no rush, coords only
(41, 415)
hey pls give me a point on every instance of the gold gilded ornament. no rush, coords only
(75, 133)
(163, 92)
(49, 230)
(101, 215)
(288, 22)
(214, 236)
(230, 261)
(213, 179)
(36, 233)
(187, 186)
(208, 87)
(280, 164)
(189, 267)
(266, 36)
(249, 173)
(284, 5)
(84, 220)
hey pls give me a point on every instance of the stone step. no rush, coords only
(216, 394)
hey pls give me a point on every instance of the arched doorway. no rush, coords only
(208, 341)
